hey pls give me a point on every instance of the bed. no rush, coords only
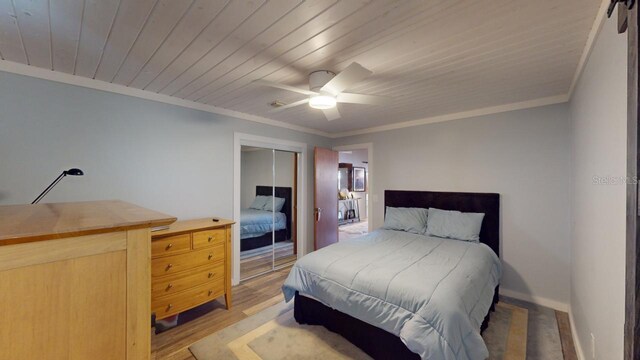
(406, 296)
(256, 225)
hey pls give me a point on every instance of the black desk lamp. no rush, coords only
(72, 172)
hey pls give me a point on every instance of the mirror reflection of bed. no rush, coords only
(267, 221)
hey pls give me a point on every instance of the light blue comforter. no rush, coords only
(433, 293)
(255, 223)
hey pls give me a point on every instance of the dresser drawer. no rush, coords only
(177, 263)
(173, 304)
(171, 245)
(202, 239)
(171, 284)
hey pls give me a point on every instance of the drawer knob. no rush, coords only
(169, 246)
(210, 274)
(210, 292)
(169, 286)
(210, 238)
(169, 306)
(169, 266)
(210, 256)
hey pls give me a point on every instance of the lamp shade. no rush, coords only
(74, 172)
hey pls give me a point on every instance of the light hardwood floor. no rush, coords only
(251, 297)
(248, 298)
(564, 327)
(261, 262)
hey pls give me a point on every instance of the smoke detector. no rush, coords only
(277, 104)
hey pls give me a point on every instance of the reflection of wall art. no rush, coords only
(359, 179)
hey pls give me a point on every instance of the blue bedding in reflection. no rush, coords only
(254, 223)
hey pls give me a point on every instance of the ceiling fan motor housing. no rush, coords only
(318, 79)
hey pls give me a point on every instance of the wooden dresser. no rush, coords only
(191, 265)
(75, 280)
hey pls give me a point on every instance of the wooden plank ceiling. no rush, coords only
(433, 57)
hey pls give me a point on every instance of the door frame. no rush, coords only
(242, 139)
(370, 177)
(632, 295)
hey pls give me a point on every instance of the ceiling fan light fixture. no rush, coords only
(322, 102)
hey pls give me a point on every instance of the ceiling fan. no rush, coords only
(326, 90)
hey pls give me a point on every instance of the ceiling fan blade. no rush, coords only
(289, 106)
(348, 77)
(331, 114)
(284, 87)
(363, 99)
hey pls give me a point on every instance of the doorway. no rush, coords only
(268, 203)
(354, 190)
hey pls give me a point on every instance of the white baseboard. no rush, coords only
(556, 305)
(576, 340)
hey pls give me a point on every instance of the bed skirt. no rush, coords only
(374, 341)
(263, 240)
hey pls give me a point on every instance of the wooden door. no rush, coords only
(325, 197)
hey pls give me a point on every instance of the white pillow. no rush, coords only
(412, 220)
(454, 224)
(273, 203)
(260, 202)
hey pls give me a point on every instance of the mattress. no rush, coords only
(433, 293)
(254, 223)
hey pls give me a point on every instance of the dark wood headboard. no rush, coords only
(281, 192)
(486, 203)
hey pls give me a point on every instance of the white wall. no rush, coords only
(164, 157)
(599, 124)
(257, 169)
(179, 161)
(357, 159)
(523, 155)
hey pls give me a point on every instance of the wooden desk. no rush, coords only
(75, 280)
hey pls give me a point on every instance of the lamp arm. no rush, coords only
(46, 191)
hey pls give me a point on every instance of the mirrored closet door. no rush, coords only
(285, 171)
(267, 219)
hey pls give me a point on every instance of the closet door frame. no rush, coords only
(628, 21)
(242, 139)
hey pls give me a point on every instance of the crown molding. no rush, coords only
(461, 115)
(591, 39)
(46, 74)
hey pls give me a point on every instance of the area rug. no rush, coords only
(352, 231)
(273, 334)
(359, 228)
